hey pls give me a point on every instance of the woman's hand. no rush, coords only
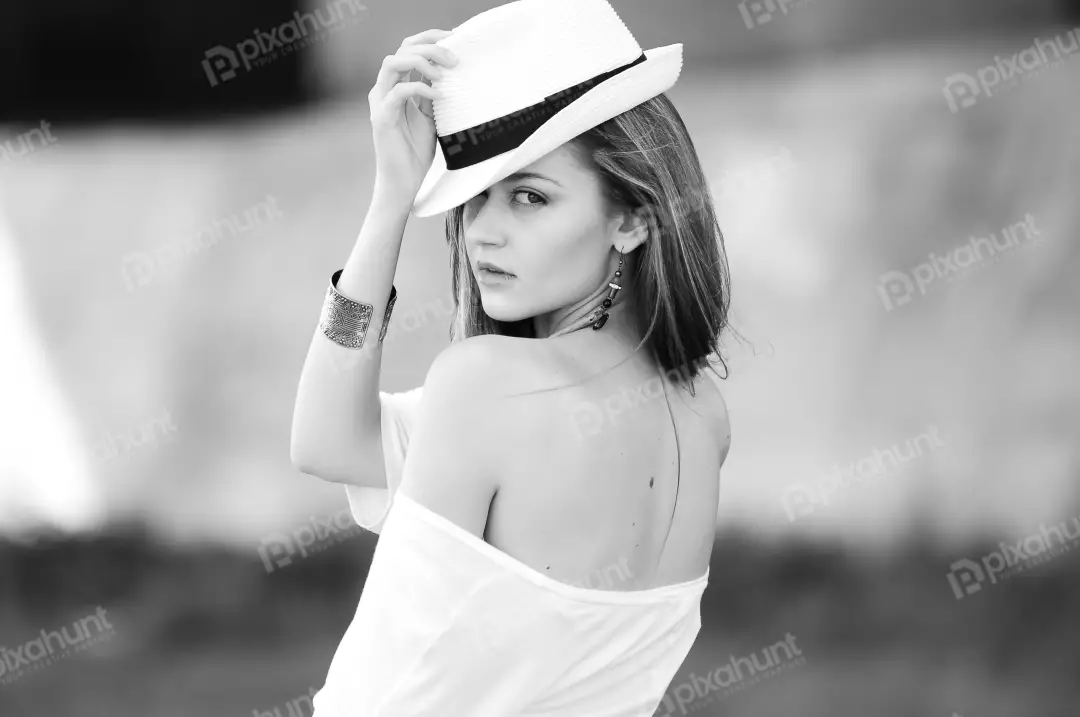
(404, 131)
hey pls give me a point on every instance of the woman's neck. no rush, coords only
(564, 322)
(620, 325)
(585, 313)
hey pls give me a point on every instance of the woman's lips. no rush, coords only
(487, 276)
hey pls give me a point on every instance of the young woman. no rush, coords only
(546, 501)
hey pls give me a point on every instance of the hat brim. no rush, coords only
(443, 189)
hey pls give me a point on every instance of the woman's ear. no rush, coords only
(631, 229)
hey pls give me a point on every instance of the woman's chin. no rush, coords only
(501, 311)
(503, 315)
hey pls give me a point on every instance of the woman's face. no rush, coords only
(545, 225)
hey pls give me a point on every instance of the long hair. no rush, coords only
(644, 158)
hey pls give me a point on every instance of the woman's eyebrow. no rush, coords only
(530, 175)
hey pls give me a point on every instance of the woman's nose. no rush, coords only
(486, 225)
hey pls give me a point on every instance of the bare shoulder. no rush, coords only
(718, 413)
(463, 360)
(487, 366)
(488, 372)
(460, 425)
(471, 383)
(475, 374)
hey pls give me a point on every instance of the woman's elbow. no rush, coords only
(311, 455)
(302, 462)
(310, 459)
(329, 466)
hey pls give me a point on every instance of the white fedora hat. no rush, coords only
(531, 76)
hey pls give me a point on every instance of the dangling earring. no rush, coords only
(612, 292)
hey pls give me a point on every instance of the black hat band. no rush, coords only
(503, 134)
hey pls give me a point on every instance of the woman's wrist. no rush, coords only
(390, 199)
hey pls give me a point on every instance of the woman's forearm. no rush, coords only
(335, 430)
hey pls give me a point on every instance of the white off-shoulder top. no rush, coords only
(450, 626)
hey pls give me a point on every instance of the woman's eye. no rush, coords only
(539, 200)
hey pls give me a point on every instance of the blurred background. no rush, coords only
(898, 187)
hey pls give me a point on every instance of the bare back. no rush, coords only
(587, 487)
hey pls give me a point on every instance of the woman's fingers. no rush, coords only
(425, 37)
(410, 89)
(424, 105)
(423, 58)
(404, 90)
(395, 67)
(433, 53)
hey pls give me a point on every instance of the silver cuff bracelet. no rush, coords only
(345, 322)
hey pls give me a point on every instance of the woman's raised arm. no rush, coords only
(336, 431)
